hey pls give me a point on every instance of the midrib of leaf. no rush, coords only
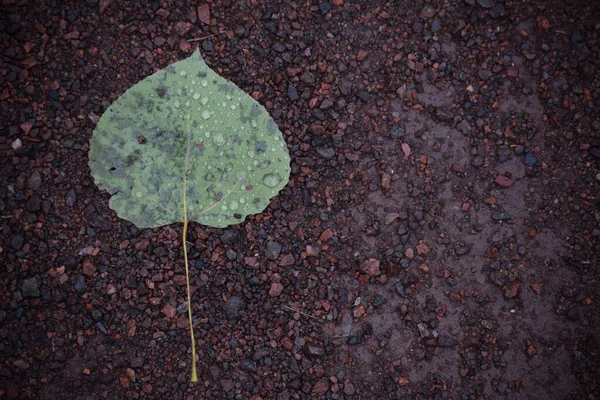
(186, 222)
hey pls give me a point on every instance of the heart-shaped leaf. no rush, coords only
(187, 145)
(187, 130)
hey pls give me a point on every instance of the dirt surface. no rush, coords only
(438, 237)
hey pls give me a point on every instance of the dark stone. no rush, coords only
(17, 241)
(397, 132)
(34, 204)
(101, 327)
(500, 216)
(273, 250)
(530, 160)
(326, 104)
(576, 37)
(461, 249)
(498, 11)
(353, 340)
(229, 236)
(486, 3)
(400, 289)
(315, 350)
(30, 288)
(293, 93)
(80, 284)
(71, 15)
(249, 365)
(14, 24)
(477, 162)
(233, 307)
(464, 127)
(231, 255)
(71, 198)
(503, 153)
(325, 8)
(436, 25)
(308, 77)
(363, 95)
(519, 150)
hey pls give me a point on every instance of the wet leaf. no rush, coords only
(187, 130)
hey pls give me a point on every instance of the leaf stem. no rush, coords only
(194, 377)
(186, 222)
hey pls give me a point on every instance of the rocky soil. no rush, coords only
(439, 236)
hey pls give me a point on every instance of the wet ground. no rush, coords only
(438, 237)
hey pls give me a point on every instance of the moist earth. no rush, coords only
(438, 237)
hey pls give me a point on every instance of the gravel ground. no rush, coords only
(439, 236)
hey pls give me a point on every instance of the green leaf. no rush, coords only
(185, 133)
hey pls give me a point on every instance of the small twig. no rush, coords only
(6, 216)
(574, 263)
(300, 312)
(201, 38)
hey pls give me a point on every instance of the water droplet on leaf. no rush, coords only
(271, 180)
(206, 114)
(219, 140)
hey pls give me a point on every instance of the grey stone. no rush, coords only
(464, 127)
(326, 152)
(315, 350)
(486, 3)
(35, 180)
(71, 198)
(273, 250)
(30, 288)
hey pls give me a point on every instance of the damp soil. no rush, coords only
(438, 238)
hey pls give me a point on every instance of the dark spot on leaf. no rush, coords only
(260, 147)
(248, 187)
(113, 168)
(255, 110)
(210, 177)
(131, 159)
(160, 92)
(201, 74)
(219, 196)
(142, 140)
(237, 216)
